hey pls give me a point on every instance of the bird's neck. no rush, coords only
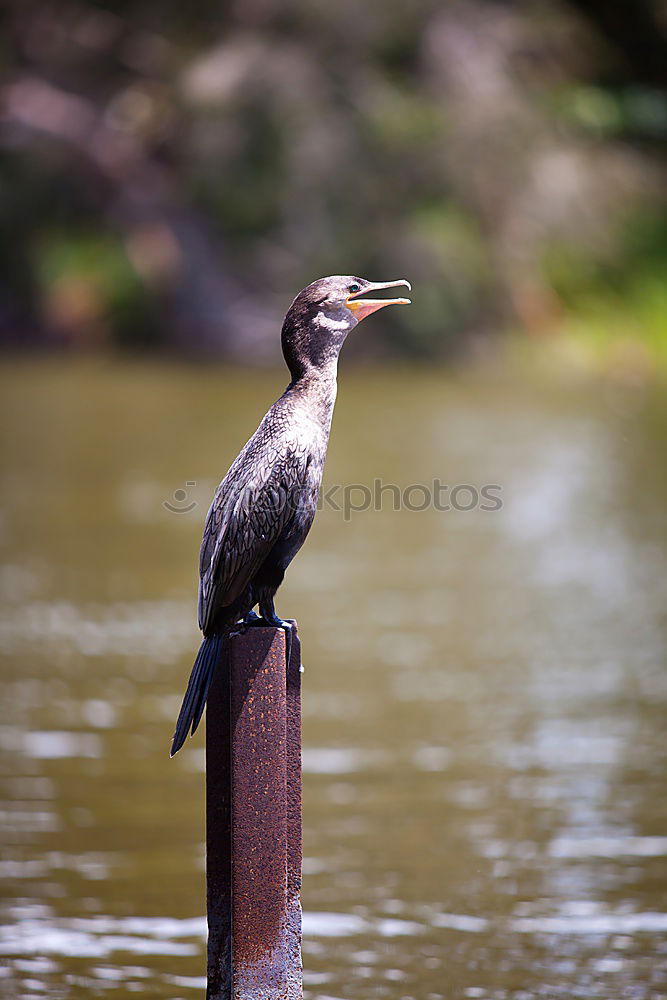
(316, 388)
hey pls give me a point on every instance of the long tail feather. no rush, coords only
(197, 690)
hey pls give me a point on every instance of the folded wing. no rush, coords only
(243, 524)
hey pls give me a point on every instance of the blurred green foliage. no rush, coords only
(172, 176)
(93, 269)
(619, 300)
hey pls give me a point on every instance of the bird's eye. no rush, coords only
(354, 288)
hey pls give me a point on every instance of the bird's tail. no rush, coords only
(197, 691)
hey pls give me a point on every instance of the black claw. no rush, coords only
(273, 619)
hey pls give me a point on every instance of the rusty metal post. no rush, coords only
(253, 820)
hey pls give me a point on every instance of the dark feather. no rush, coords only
(197, 690)
(248, 515)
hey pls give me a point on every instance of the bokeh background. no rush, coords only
(485, 691)
(173, 174)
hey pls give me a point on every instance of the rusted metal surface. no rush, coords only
(259, 815)
(254, 821)
(218, 834)
(294, 824)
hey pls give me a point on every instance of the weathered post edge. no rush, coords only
(253, 820)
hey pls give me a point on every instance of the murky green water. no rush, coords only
(484, 753)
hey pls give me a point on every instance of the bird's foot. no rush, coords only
(269, 619)
(277, 622)
(252, 618)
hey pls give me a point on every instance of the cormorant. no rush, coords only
(264, 507)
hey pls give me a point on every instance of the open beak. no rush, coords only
(364, 307)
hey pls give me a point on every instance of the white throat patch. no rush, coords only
(331, 324)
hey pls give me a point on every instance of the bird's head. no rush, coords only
(322, 315)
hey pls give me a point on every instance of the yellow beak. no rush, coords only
(364, 307)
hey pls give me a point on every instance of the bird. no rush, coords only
(264, 507)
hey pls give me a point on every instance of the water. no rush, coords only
(484, 696)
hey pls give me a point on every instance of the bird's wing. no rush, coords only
(244, 522)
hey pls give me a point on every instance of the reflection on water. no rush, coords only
(484, 692)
